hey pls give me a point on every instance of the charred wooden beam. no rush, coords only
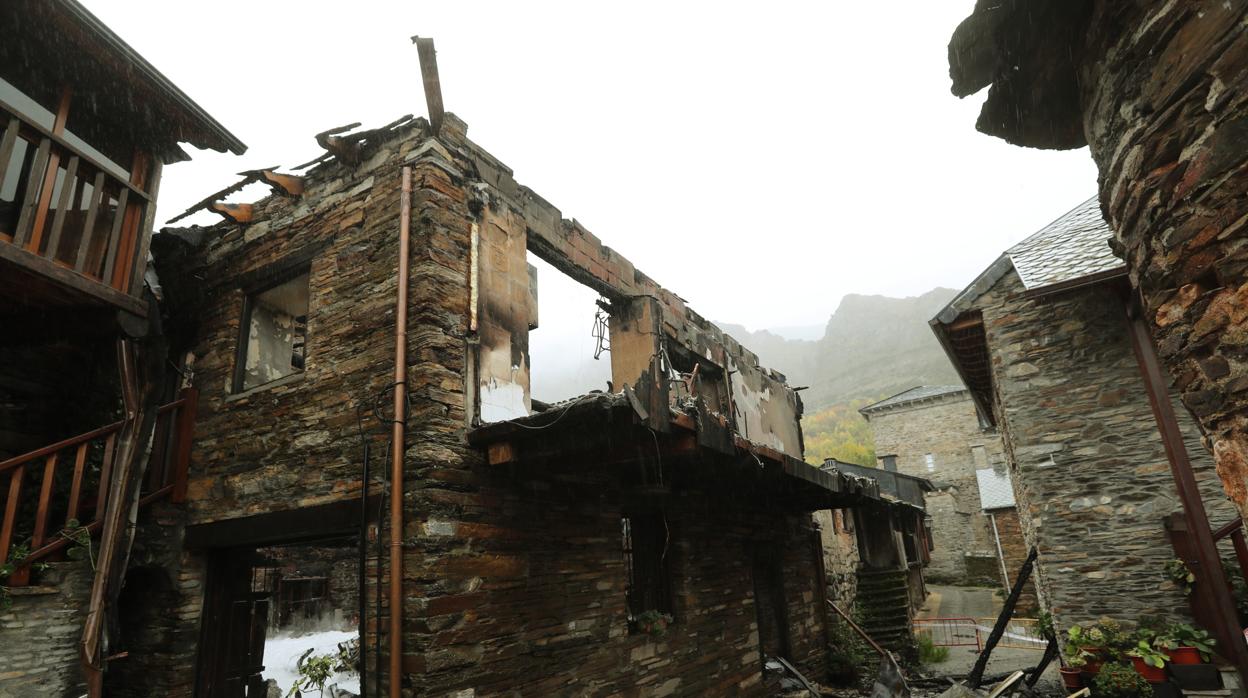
(236, 213)
(345, 149)
(433, 84)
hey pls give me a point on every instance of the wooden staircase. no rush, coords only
(883, 606)
(73, 478)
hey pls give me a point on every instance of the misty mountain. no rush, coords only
(872, 346)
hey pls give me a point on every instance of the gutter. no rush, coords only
(397, 439)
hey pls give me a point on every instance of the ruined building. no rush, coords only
(1042, 341)
(1159, 92)
(92, 420)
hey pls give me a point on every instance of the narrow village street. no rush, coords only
(983, 605)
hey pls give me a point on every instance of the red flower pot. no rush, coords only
(1185, 655)
(1151, 674)
(1092, 667)
(1072, 679)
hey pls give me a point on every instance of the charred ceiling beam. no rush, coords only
(235, 213)
(284, 184)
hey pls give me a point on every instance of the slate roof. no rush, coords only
(995, 490)
(921, 392)
(1074, 246)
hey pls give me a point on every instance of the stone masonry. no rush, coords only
(1159, 92)
(944, 426)
(514, 577)
(1090, 476)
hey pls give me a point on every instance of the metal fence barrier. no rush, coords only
(1020, 633)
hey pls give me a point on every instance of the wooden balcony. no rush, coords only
(72, 230)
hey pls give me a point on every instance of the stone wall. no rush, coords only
(1090, 475)
(39, 634)
(1014, 550)
(840, 555)
(947, 428)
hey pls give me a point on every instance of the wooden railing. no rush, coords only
(1235, 531)
(85, 463)
(79, 219)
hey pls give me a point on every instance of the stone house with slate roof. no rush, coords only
(934, 432)
(1041, 340)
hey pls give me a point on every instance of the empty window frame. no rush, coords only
(646, 539)
(930, 461)
(890, 463)
(273, 335)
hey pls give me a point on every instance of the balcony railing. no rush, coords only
(73, 477)
(66, 216)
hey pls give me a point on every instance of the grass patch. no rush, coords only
(930, 653)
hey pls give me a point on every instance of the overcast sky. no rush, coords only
(760, 160)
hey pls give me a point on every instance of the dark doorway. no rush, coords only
(236, 617)
(773, 626)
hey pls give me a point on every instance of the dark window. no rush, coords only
(273, 337)
(890, 463)
(646, 540)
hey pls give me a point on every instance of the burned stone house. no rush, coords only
(934, 432)
(356, 357)
(1104, 493)
(93, 421)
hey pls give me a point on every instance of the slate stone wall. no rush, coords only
(840, 555)
(1165, 114)
(948, 429)
(513, 579)
(39, 634)
(1090, 476)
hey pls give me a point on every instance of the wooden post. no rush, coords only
(185, 434)
(1230, 636)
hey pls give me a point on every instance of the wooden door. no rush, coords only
(236, 615)
(773, 627)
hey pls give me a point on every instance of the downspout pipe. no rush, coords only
(996, 536)
(397, 441)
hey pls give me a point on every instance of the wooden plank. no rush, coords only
(45, 200)
(59, 445)
(10, 511)
(114, 236)
(45, 500)
(106, 471)
(501, 452)
(145, 230)
(62, 207)
(7, 143)
(88, 228)
(186, 433)
(432, 83)
(32, 193)
(75, 487)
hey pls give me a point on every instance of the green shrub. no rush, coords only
(1118, 680)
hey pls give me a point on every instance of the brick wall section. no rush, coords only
(1014, 549)
(513, 580)
(1090, 475)
(946, 427)
(39, 634)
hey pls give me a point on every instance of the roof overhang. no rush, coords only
(60, 42)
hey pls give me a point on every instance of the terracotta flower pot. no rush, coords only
(1185, 655)
(1072, 679)
(1092, 667)
(1151, 674)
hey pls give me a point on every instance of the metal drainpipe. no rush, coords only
(396, 448)
(1005, 573)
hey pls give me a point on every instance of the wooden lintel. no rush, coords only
(501, 452)
(966, 322)
(237, 213)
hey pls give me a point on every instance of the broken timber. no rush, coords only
(976, 677)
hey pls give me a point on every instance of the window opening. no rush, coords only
(273, 343)
(930, 461)
(890, 463)
(646, 539)
(567, 347)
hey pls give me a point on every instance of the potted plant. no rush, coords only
(1072, 672)
(1149, 661)
(653, 623)
(1084, 648)
(1185, 644)
(1182, 575)
(1118, 680)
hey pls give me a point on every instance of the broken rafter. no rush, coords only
(432, 83)
(288, 185)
